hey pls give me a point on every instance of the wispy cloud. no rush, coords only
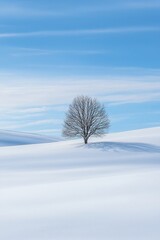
(117, 7)
(19, 125)
(49, 131)
(21, 10)
(140, 97)
(24, 97)
(82, 32)
(143, 4)
(39, 52)
(115, 90)
(30, 10)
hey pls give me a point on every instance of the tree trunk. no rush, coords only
(85, 141)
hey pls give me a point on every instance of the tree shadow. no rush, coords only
(124, 146)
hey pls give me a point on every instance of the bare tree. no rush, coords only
(85, 117)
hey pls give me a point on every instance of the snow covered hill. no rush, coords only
(109, 189)
(11, 138)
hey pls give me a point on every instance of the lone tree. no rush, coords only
(85, 117)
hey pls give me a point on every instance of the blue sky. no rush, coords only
(52, 51)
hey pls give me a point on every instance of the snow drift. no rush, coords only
(11, 138)
(109, 189)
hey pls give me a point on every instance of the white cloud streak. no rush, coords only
(49, 131)
(143, 5)
(22, 98)
(39, 52)
(113, 90)
(18, 125)
(32, 110)
(81, 32)
(23, 11)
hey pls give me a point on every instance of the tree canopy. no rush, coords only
(85, 117)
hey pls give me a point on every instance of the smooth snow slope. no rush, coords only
(107, 190)
(11, 138)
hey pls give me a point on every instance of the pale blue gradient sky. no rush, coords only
(51, 51)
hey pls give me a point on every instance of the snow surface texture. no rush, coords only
(10, 138)
(107, 190)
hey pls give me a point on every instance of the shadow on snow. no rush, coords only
(125, 146)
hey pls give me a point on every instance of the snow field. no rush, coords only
(109, 189)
